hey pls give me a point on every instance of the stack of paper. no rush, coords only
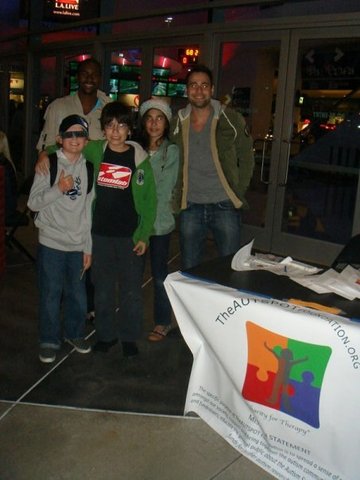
(243, 260)
(346, 284)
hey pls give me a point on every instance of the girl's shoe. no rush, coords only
(159, 333)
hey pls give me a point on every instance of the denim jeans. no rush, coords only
(159, 254)
(59, 281)
(117, 273)
(221, 219)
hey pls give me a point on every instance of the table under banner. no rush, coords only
(279, 381)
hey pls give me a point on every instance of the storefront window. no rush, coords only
(125, 76)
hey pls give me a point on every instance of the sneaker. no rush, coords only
(159, 333)
(47, 355)
(130, 349)
(80, 344)
(90, 317)
(101, 346)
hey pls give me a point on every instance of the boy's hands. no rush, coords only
(140, 248)
(42, 167)
(65, 183)
(87, 261)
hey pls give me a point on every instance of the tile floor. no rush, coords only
(45, 435)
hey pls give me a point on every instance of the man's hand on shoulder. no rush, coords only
(42, 165)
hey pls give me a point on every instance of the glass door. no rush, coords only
(12, 82)
(299, 94)
(252, 80)
(318, 187)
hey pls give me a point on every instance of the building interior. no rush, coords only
(292, 69)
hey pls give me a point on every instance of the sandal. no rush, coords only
(159, 333)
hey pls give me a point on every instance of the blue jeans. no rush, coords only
(59, 281)
(117, 273)
(159, 254)
(221, 219)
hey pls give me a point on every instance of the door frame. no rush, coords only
(263, 235)
(270, 238)
(313, 250)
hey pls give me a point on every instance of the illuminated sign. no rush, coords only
(336, 67)
(189, 55)
(71, 10)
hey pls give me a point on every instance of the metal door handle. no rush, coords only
(284, 183)
(266, 182)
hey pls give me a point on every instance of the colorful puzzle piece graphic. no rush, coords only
(285, 374)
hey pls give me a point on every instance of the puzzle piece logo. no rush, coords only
(285, 374)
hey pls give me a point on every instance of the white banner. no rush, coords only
(279, 382)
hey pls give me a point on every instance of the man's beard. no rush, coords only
(201, 103)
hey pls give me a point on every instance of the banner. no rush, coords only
(277, 381)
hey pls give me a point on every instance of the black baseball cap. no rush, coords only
(73, 120)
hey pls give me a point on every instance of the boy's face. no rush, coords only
(71, 143)
(116, 133)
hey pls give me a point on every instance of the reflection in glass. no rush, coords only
(252, 92)
(325, 149)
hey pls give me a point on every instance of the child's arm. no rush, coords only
(169, 174)
(42, 194)
(65, 183)
(140, 248)
(87, 222)
(146, 203)
(42, 165)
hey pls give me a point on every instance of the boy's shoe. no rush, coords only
(90, 317)
(130, 349)
(80, 344)
(47, 355)
(101, 346)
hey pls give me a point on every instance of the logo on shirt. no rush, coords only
(76, 191)
(140, 177)
(114, 176)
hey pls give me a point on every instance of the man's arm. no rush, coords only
(42, 165)
(51, 126)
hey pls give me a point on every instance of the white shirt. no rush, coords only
(70, 105)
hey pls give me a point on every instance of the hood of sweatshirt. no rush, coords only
(140, 153)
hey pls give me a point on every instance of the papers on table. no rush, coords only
(243, 260)
(346, 284)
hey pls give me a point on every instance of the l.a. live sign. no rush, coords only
(70, 9)
(70, 5)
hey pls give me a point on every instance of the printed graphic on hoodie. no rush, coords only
(76, 190)
(285, 374)
(114, 176)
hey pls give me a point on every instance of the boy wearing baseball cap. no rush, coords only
(64, 250)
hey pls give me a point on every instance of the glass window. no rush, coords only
(125, 76)
(170, 67)
(323, 173)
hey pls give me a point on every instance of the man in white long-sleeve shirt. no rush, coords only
(88, 102)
